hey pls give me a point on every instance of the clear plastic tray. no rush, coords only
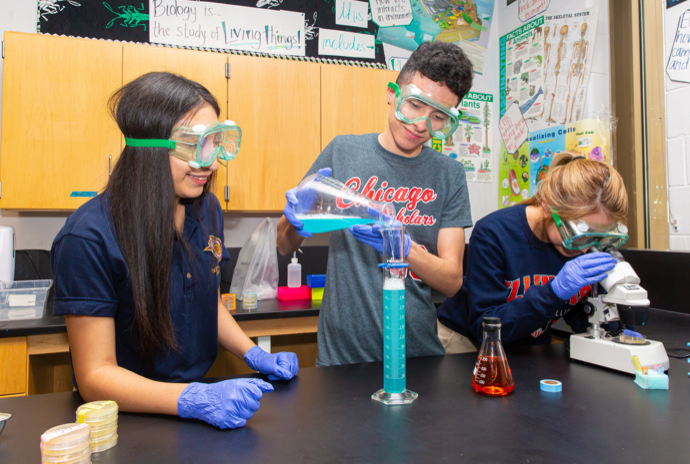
(23, 299)
(65, 437)
(98, 413)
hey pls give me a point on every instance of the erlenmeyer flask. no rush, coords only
(326, 205)
(492, 375)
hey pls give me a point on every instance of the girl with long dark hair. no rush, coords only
(137, 269)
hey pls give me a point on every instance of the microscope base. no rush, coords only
(616, 356)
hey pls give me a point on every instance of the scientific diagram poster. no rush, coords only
(472, 142)
(568, 46)
(520, 173)
(521, 68)
(466, 23)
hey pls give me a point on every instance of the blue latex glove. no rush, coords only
(584, 270)
(371, 235)
(277, 366)
(292, 201)
(227, 405)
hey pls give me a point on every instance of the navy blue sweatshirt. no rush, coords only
(509, 273)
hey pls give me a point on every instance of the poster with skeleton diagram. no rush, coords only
(568, 45)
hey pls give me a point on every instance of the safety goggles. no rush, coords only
(578, 234)
(199, 145)
(413, 106)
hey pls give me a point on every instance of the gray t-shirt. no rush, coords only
(430, 191)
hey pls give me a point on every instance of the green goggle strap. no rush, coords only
(162, 143)
(557, 219)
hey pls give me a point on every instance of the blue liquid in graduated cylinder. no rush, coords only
(327, 223)
(394, 359)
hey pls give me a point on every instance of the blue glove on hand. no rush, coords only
(227, 405)
(292, 201)
(584, 270)
(371, 235)
(277, 366)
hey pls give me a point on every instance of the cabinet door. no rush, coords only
(206, 68)
(57, 135)
(13, 362)
(353, 101)
(277, 105)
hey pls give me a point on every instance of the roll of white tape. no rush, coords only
(549, 385)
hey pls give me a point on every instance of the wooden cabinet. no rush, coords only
(277, 105)
(353, 101)
(13, 366)
(206, 68)
(57, 135)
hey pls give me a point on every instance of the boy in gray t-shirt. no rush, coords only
(429, 192)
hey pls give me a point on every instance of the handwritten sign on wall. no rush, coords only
(528, 9)
(351, 13)
(216, 25)
(513, 128)
(387, 13)
(341, 43)
(678, 67)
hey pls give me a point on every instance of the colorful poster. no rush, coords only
(466, 23)
(543, 144)
(519, 174)
(472, 142)
(521, 66)
(568, 46)
(513, 176)
(214, 25)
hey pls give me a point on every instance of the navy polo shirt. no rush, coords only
(92, 279)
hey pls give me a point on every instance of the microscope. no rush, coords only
(619, 297)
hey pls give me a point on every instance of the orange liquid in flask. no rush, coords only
(492, 376)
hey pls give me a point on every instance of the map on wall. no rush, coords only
(255, 27)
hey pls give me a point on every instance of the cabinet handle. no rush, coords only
(227, 193)
(110, 164)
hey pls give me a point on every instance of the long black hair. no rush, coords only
(142, 197)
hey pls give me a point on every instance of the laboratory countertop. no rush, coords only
(327, 415)
(266, 309)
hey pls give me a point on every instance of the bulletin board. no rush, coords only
(133, 21)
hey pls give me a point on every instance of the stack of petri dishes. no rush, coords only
(102, 417)
(66, 444)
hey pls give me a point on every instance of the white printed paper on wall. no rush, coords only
(678, 68)
(396, 57)
(215, 25)
(568, 47)
(341, 43)
(351, 13)
(388, 13)
(513, 128)
(528, 9)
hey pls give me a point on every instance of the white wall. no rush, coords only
(678, 139)
(37, 230)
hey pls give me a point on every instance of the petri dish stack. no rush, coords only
(102, 417)
(66, 444)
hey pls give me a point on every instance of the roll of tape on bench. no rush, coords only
(549, 385)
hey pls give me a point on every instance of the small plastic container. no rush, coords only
(299, 293)
(294, 278)
(23, 299)
(104, 443)
(316, 280)
(98, 413)
(317, 294)
(66, 444)
(228, 300)
(103, 418)
(249, 301)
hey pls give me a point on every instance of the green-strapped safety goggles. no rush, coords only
(578, 234)
(199, 145)
(413, 105)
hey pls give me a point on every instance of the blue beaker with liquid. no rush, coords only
(325, 205)
(394, 389)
